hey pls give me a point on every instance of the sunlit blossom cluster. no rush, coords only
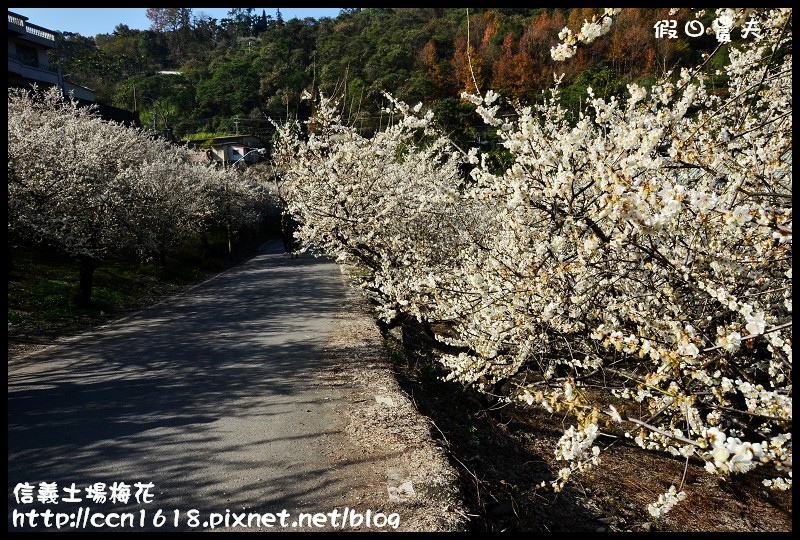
(589, 32)
(666, 501)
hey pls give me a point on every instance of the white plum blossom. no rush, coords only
(563, 51)
(730, 342)
(637, 93)
(576, 443)
(589, 32)
(614, 414)
(666, 501)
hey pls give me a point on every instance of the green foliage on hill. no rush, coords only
(238, 72)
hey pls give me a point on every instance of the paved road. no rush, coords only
(210, 397)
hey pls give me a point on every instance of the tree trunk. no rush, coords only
(205, 245)
(86, 272)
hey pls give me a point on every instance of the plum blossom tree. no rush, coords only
(643, 249)
(388, 205)
(91, 188)
(238, 200)
(63, 163)
(166, 202)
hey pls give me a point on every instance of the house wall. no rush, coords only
(28, 64)
(27, 53)
(222, 148)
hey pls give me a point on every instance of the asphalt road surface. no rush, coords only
(210, 397)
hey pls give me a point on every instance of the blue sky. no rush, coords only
(89, 22)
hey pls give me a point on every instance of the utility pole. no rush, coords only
(236, 121)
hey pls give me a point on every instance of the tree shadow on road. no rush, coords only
(134, 401)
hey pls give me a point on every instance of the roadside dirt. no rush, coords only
(388, 453)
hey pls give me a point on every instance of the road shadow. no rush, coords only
(192, 395)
